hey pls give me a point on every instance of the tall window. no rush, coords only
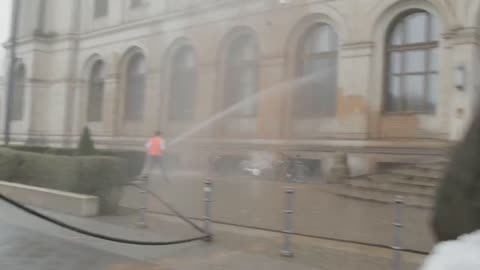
(96, 91)
(241, 74)
(317, 72)
(100, 8)
(18, 96)
(135, 90)
(183, 84)
(412, 76)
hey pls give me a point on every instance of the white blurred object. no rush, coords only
(461, 254)
(258, 162)
(284, 2)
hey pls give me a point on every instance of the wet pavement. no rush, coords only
(29, 243)
(22, 249)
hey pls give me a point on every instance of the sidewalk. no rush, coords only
(237, 248)
(260, 204)
(233, 248)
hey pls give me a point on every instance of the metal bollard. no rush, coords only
(398, 226)
(142, 223)
(288, 212)
(208, 209)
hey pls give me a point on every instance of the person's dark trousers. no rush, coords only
(157, 162)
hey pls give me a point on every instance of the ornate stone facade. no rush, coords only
(61, 40)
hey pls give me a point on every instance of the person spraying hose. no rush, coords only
(156, 147)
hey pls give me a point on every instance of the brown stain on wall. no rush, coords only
(399, 126)
(351, 105)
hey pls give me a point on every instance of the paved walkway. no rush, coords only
(34, 244)
(22, 249)
(260, 204)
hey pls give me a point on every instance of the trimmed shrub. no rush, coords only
(85, 145)
(48, 171)
(9, 160)
(93, 175)
(135, 160)
(103, 177)
(44, 150)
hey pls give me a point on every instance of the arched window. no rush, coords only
(317, 69)
(412, 67)
(18, 96)
(135, 87)
(96, 84)
(241, 74)
(183, 84)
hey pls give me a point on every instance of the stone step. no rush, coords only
(386, 191)
(404, 180)
(390, 187)
(382, 197)
(439, 167)
(418, 173)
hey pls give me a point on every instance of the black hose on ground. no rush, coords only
(93, 234)
(170, 207)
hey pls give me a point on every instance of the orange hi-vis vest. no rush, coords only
(156, 146)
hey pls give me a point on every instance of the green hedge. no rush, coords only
(135, 159)
(93, 175)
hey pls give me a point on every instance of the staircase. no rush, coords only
(416, 183)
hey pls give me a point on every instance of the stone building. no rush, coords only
(387, 81)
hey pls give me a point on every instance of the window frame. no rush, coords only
(130, 113)
(427, 47)
(304, 56)
(177, 72)
(96, 82)
(233, 66)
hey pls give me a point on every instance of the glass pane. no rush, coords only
(394, 98)
(190, 59)
(249, 50)
(97, 71)
(137, 66)
(242, 49)
(396, 62)
(249, 77)
(415, 61)
(433, 60)
(134, 98)
(322, 96)
(101, 8)
(435, 29)
(95, 102)
(320, 67)
(432, 93)
(320, 39)
(416, 27)
(397, 35)
(415, 93)
(184, 59)
(141, 67)
(333, 40)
